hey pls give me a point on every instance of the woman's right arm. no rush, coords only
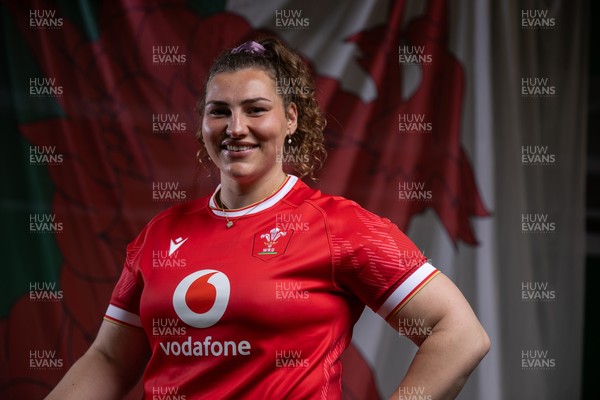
(109, 369)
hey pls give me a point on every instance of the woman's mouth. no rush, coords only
(237, 148)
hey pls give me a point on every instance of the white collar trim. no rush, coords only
(254, 208)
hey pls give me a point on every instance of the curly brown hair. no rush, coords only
(294, 84)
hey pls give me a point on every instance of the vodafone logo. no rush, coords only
(201, 298)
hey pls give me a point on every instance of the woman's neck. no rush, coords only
(235, 194)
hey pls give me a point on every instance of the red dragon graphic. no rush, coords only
(112, 157)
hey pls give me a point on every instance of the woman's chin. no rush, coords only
(240, 172)
(246, 173)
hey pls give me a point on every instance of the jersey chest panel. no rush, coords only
(264, 286)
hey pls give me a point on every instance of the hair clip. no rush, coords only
(251, 47)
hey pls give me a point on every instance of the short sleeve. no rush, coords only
(124, 307)
(376, 262)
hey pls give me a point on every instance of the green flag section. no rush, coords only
(27, 191)
(206, 8)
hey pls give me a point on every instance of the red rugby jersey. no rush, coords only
(263, 309)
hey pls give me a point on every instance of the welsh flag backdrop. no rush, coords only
(99, 121)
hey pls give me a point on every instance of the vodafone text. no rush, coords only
(206, 348)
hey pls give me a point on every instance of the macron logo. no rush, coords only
(175, 244)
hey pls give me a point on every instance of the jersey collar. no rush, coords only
(255, 208)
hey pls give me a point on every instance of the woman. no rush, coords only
(253, 291)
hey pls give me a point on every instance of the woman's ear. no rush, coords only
(292, 118)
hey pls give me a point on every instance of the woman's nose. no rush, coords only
(237, 125)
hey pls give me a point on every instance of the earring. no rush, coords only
(289, 139)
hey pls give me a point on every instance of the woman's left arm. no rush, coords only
(451, 340)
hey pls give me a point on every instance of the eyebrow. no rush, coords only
(247, 101)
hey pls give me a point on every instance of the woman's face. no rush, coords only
(245, 124)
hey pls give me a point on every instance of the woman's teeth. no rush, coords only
(238, 148)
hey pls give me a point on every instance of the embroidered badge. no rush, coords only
(271, 244)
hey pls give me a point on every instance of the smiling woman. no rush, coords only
(290, 83)
(244, 128)
(273, 274)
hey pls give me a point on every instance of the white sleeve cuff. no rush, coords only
(117, 314)
(407, 290)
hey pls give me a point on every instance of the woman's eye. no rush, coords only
(218, 112)
(256, 110)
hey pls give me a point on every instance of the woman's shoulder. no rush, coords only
(340, 209)
(304, 193)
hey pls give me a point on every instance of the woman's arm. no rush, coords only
(109, 369)
(450, 338)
